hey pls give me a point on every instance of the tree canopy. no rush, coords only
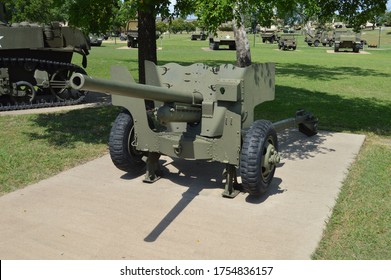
(212, 13)
(98, 16)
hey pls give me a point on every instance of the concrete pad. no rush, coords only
(95, 211)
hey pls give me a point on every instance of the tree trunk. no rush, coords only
(146, 40)
(243, 54)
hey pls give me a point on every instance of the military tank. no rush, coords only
(35, 64)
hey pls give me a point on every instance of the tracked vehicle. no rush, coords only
(35, 64)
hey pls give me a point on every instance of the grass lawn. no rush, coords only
(347, 92)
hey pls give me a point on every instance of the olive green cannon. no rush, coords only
(199, 112)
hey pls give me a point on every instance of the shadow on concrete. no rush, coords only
(198, 175)
(187, 198)
(295, 146)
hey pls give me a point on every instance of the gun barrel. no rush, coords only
(83, 82)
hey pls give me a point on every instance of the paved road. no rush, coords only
(95, 211)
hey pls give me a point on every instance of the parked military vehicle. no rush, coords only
(95, 40)
(201, 112)
(132, 34)
(216, 42)
(346, 39)
(269, 36)
(287, 42)
(321, 37)
(35, 64)
(202, 36)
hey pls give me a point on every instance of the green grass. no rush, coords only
(360, 226)
(347, 92)
(35, 147)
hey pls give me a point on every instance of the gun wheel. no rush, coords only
(259, 157)
(121, 145)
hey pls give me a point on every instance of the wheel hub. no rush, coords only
(270, 159)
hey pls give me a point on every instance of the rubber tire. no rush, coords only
(316, 43)
(336, 48)
(122, 155)
(251, 157)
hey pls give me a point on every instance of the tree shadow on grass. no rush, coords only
(313, 72)
(65, 129)
(316, 72)
(335, 113)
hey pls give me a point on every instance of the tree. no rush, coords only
(386, 19)
(214, 12)
(355, 13)
(177, 25)
(37, 11)
(93, 16)
(96, 14)
(121, 15)
(161, 27)
(147, 12)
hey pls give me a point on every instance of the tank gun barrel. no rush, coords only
(83, 82)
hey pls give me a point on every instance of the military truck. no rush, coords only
(287, 42)
(132, 34)
(216, 42)
(347, 39)
(269, 36)
(35, 64)
(321, 37)
(202, 36)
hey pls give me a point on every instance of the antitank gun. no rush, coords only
(202, 112)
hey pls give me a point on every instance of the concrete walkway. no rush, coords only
(95, 211)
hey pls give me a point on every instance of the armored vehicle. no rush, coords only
(346, 39)
(202, 113)
(35, 64)
(287, 42)
(321, 37)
